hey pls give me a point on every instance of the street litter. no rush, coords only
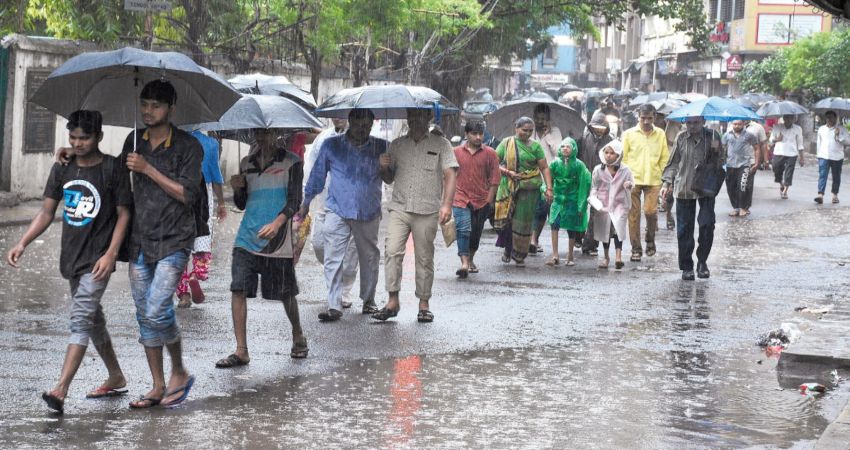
(777, 340)
(812, 388)
(817, 311)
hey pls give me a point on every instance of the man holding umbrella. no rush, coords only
(422, 168)
(691, 148)
(167, 183)
(832, 138)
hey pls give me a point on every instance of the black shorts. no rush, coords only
(277, 275)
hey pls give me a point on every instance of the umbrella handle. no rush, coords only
(437, 113)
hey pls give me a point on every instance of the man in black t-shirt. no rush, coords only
(95, 190)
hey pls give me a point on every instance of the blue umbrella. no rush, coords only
(714, 108)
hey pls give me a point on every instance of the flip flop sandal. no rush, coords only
(369, 308)
(151, 402)
(384, 314)
(506, 259)
(197, 293)
(570, 263)
(425, 316)
(53, 402)
(462, 273)
(106, 391)
(185, 389)
(603, 264)
(835, 200)
(231, 361)
(473, 269)
(619, 264)
(299, 351)
(552, 262)
(635, 257)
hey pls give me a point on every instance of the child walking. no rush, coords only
(571, 182)
(610, 195)
(95, 189)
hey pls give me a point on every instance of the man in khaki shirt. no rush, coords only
(422, 169)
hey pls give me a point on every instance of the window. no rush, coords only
(725, 11)
(738, 10)
(712, 11)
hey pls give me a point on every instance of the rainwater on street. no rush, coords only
(533, 357)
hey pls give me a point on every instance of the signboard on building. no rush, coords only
(786, 28)
(147, 5)
(734, 62)
(39, 123)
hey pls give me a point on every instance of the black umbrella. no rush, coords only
(263, 111)
(837, 104)
(568, 120)
(755, 98)
(110, 82)
(258, 83)
(386, 102)
(781, 108)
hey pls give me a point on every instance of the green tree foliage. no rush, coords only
(815, 66)
(765, 75)
(818, 65)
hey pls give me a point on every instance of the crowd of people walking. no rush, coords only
(596, 187)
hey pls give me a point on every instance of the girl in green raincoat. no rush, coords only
(571, 181)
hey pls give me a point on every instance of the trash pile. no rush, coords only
(775, 341)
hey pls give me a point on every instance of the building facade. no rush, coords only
(647, 53)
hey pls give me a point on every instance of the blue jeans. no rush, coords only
(824, 167)
(152, 286)
(469, 224)
(686, 215)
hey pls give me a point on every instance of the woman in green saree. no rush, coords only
(522, 162)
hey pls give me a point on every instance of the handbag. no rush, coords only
(709, 175)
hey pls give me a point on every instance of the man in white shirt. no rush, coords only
(832, 138)
(549, 137)
(787, 138)
(757, 130)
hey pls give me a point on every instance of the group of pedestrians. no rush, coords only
(595, 188)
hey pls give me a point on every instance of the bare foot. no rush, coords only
(185, 301)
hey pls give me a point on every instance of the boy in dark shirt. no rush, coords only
(95, 189)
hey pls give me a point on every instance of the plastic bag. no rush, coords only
(449, 231)
(301, 232)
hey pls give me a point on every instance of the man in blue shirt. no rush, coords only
(353, 207)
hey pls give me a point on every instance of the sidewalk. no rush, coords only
(822, 349)
(23, 213)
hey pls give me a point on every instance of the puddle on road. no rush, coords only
(511, 398)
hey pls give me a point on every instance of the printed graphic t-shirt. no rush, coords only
(90, 214)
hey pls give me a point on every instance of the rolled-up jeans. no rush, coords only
(469, 223)
(152, 286)
(825, 166)
(87, 319)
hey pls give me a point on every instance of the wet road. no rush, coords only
(530, 357)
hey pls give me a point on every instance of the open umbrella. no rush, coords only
(781, 108)
(386, 102)
(568, 120)
(572, 95)
(756, 98)
(263, 111)
(259, 83)
(837, 104)
(667, 106)
(714, 108)
(110, 82)
(694, 96)
(659, 96)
